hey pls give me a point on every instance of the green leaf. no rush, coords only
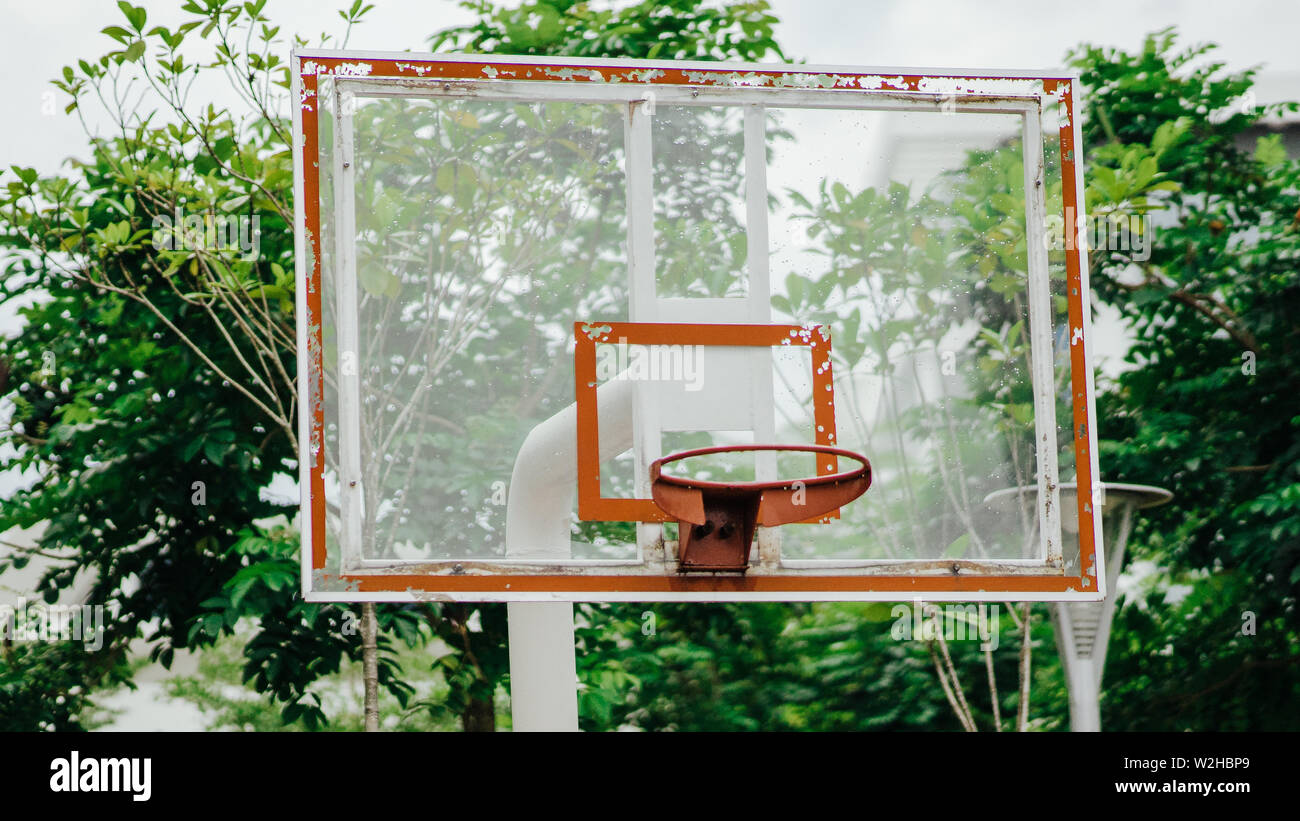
(1146, 169)
(1150, 294)
(446, 178)
(1269, 150)
(958, 547)
(214, 450)
(135, 15)
(1021, 412)
(27, 175)
(465, 119)
(212, 624)
(117, 33)
(134, 51)
(1169, 133)
(876, 612)
(379, 282)
(1007, 204)
(223, 148)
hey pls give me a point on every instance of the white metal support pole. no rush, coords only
(1083, 628)
(543, 667)
(543, 662)
(1075, 626)
(1085, 697)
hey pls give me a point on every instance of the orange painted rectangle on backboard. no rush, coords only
(592, 506)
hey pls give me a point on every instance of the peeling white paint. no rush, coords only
(351, 70)
(572, 73)
(596, 332)
(323, 582)
(419, 68)
(807, 80)
(987, 86)
(735, 79)
(644, 75)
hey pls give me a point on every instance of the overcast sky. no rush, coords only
(38, 37)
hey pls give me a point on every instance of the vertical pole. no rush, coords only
(1040, 338)
(759, 289)
(354, 538)
(1085, 696)
(543, 667)
(643, 302)
(543, 662)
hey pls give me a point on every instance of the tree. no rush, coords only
(152, 388)
(1208, 407)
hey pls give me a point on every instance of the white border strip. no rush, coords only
(993, 595)
(352, 489)
(302, 277)
(687, 65)
(1040, 335)
(531, 91)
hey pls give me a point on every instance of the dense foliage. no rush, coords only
(1209, 407)
(151, 388)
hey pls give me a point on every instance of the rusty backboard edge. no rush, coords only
(1089, 587)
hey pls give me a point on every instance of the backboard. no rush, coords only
(521, 281)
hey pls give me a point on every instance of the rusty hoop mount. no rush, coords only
(717, 520)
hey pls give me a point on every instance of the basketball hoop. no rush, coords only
(717, 519)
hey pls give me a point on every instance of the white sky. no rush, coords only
(40, 36)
